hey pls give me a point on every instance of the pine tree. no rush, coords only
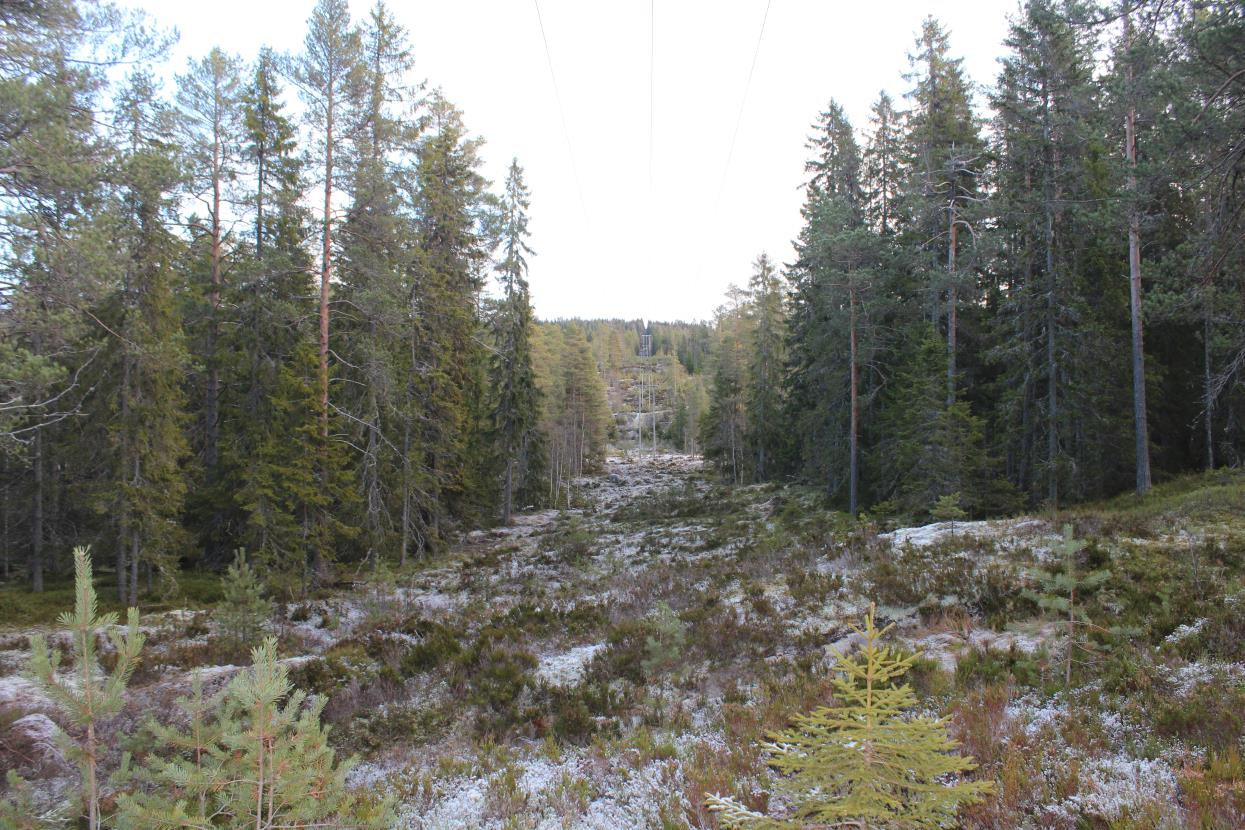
(261, 760)
(326, 74)
(88, 697)
(1063, 593)
(208, 95)
(517, 402)
(866, 762)
(186, 770)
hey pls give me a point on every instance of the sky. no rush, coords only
(664, 182)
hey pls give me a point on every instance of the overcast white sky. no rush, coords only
(608, 244)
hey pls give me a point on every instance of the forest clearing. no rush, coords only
(687, 416)
(611, 665)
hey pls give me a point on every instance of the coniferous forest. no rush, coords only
(1008, 299)
(308, 520)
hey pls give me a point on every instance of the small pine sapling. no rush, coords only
(20, 809)
(182, 785)
(258, 760)
(88, 696)
(664, 645)
(245, 611)
(866, 763)
(1063, 593)
(286, 771)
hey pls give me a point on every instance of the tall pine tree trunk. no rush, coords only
(211, 414)
(326, 269)
(1140, 426)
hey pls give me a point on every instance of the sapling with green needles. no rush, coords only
(86, 695)
(867, 762)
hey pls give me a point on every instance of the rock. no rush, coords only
(33, 739)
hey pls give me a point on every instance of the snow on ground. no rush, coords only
(925, 535)
(567, 668)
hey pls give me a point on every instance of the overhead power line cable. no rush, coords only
(743, 104)
(739, 119)
(566, 133)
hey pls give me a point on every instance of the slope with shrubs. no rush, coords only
(621, 664)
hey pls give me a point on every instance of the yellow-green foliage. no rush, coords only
(867, 762)
(261, 760)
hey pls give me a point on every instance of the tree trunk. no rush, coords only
(1140, 427)
(326, 269)
(1052, 367)
(135, 550)
(36, 517)
(1208, 388)
(508, 493)
(125, 518)
(854, 435)
(952, 302)
(211, 413)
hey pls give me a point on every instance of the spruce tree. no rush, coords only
(724, 427)
(882, 165)
(146, 350)
(1058, 360)
(944, 168)
(837, 291)
(866, 762)
(767, 356)
(446, 276)
(376, 251)
(517, 401)
(244, 611)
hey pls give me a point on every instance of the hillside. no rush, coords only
(611, 665)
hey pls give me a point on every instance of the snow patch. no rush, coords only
(567, 668)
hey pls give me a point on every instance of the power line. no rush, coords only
(566, 133)
(739, 119)
(743, 103)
